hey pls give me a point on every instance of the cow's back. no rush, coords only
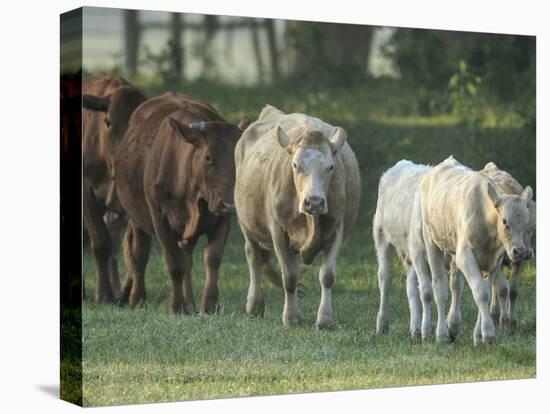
(396, 198)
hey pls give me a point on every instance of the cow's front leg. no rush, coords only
(289, 262)
(515, 277)
(502, 289)
(485, 328)
(101, 244)
(327, 275)
(255, 305)
(494, 309)
(178, 262)
(212, 257)
(454, 318)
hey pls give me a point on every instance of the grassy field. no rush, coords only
(147, 355)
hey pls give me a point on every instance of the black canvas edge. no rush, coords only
(71, 286)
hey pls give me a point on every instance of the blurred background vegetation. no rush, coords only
(400, 93)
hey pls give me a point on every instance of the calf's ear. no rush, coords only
(495, 199)
(527, 194)
(337, 139)
(284, 140)
(96, 103)
(189, 133)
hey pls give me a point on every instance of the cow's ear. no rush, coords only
(490, 166)
(337, 139)
(244, 123)
(96, 103)
(527, 194)
(495, 199)
(189, 133)
(284, 140)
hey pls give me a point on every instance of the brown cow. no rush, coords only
(108, 102)
(175, 178)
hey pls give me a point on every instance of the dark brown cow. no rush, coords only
(175, 179)
(108, 102)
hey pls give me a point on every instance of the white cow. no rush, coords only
(504, 293)
(297, 192)
(391, 231)
(467, 216)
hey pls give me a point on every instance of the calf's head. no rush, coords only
(213, 160)
(512, 221)
(312, 158)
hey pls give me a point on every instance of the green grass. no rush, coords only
(148, 355)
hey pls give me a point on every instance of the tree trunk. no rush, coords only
(132, 41)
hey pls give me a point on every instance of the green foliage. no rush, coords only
(161, 63)
(463, 90)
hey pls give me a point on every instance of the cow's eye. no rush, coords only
(208, 159)
(294, 165)
(330, 169)
(107, 123)
(504, 222)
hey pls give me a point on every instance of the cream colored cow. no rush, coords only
(391, 232)
(297, 192)
(466, 215)
(504, 293)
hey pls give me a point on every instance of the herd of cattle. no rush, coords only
(177, 171)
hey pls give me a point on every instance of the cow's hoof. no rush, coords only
(488, 340)
(442, 339)
(453, 331)
(292, 320)
(382, 326)
(415, 333)
(209, 306)
(255, 308)
(326, 325)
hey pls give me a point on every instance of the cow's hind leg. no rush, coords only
(413, 296)
(384, 255)
(136, 246)
(255, 305)
(440, 285)
(327, 275)
(289, 262)
(454, 318)
(501, 288)
(212, 257)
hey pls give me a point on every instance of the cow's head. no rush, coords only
(312, 166)
(118, 107)
(512, 221)
(213, 161)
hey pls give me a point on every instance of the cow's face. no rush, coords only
(312, 160)
(118, 107)
(213, 161)
(512, 221)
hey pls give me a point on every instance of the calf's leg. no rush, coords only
(212, 257)
(425, 286)
(136, 246)
(485, 328)
(384, 256)
(413, 296)
(501, 289)
(440, 286)
(454, 318)
(515, 277)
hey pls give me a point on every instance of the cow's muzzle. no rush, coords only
(519, 253)
(314, 206)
